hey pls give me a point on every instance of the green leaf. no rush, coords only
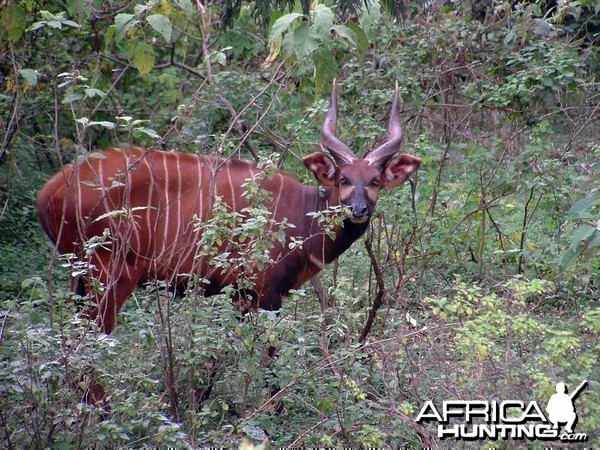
(306, 40)
(14, 19)
(35, 26)
(276, 39)
(369, 18)
(71, 97)
(90, 123)
(594, 241)
(71, 23)
(80, 9)
(141, 9)
(509, 38)
(219, 58)
(581, 235)
(281, 25)
(47, 15)
(584, 237)
(147, 131)
(53, 21)
(103, 123)
(57, 24)
(187, 7)
(326, 69)
(288, 46)
(584, 205)
(275, 15)
(346, 33)
(355, 34)
(144, 58)
(323, 21)
(30, 76)
(93, 92)
(109, 36)
(161, 24)
(123, 23)
(362, 40)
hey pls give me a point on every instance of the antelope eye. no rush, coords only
(375, 182)
(344, 181)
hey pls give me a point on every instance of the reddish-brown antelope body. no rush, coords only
(151, 203)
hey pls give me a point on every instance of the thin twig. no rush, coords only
(381, 291)
(123, 72)
(524, 230)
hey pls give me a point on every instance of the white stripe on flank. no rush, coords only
(127, 269)
(228, 168)
(149, 209)
(316, 261)
(104, 193)
(80, 219)
(167, 205)
(102, 268)
(133, 214)
(194, 208)
(276, 201)
(178, 200)
(196, 262)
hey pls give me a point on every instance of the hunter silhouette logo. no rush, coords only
(561, 409)
(506, 419)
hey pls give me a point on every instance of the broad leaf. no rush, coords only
(274, 52)
(80, 9)
(369, 18)
(585, 237)
(362, 41)
(281, 25)
(30, 76)
(326, 69)
(147, 131)
(306, 40)
(144, 58)
(102, 123)
(323, 20)
(581, 235)
(14, 18)
(584, 205)
(187, 7)
(71, 97)
(123, 23)
(288, 46)
(161, 24)
(93, 92)
(92, 123)
(109, 36)
(355, 35)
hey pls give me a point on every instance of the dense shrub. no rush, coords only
(481, 274)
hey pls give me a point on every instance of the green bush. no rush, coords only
(480, 276)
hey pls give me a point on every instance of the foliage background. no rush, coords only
(482, 274)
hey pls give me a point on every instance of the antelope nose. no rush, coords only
(359, 210)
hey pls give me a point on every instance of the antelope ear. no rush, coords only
(398, 169)
(322, 166)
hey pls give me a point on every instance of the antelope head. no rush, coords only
(357, 182)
